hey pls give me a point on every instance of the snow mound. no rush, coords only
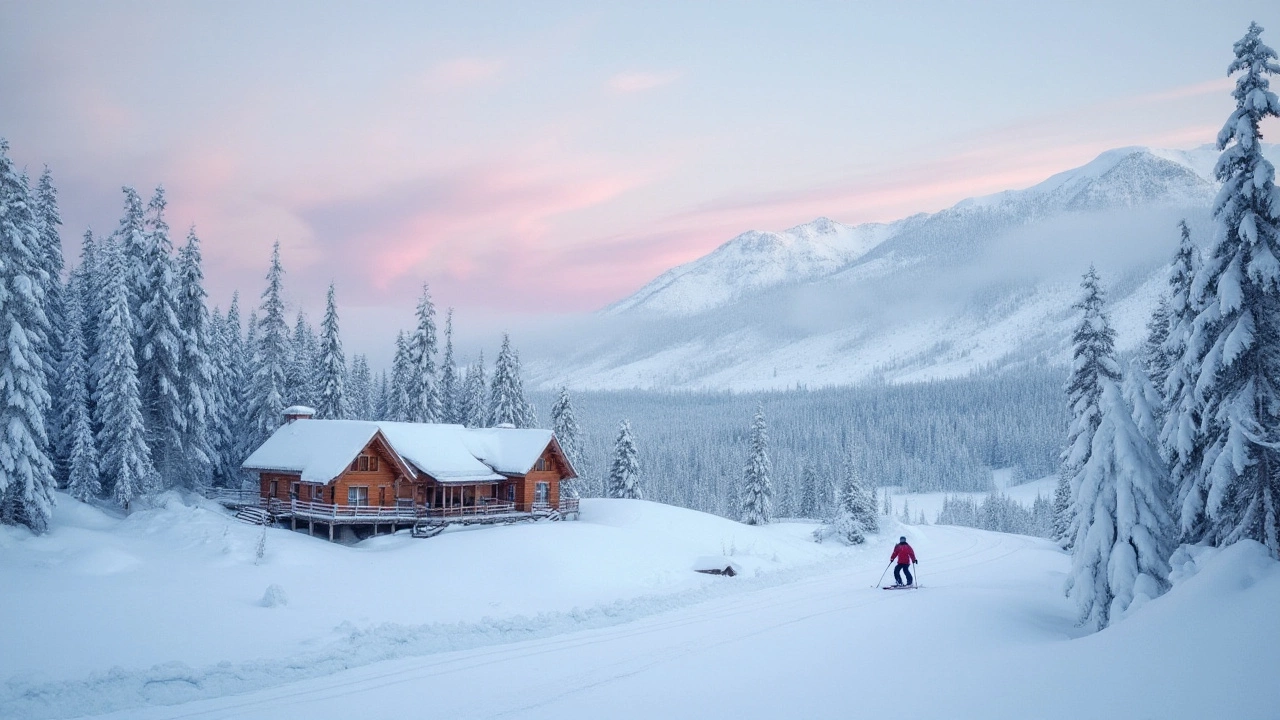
(274, 597)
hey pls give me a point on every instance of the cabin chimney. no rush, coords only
(298, 412)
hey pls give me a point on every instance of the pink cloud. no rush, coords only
(463, 72)
(634, 82)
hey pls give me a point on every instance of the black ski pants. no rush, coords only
(903, 568)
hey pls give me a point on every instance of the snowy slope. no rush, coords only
(754, 260)
(989, 637)
(986, 283)
(168, 603)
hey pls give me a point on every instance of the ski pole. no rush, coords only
(881, 580)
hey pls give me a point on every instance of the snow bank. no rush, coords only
(167, 605)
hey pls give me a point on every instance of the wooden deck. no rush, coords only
(423, 521)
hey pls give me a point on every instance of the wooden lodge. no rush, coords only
(376, 475)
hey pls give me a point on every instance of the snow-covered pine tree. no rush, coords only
(424, 395)
(1124, 533)
(270, 357)
(624, 468)
(125, 459)
(26, 469)
(1155, 356)
(159, 357)
(475, 405)
(361, 394)
(86, 277)
(1093, 361)
(198, 396)
(507, 404)
(1061, 524)
(232, 426)
(48, 220)
(382, 397)
(301, 379)
(757, 484)
(1239, 324)
(856, 514)
(130, 240)
(565, 425)
(1141, 395)
(906, 511)
(808, 505)
(887, 510)
(1181, 440)
(450, 383)
(82, 452)
(400, 378)
(333, 365)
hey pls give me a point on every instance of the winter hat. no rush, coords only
(902, 539)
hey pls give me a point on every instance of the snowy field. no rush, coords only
(160, 616)
(931, 502)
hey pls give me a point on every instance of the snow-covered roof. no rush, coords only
(319, 450)
(507, 450)
(299, 410)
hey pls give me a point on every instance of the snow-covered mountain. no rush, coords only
(986, 282)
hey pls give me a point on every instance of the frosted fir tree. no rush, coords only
(48, 220)
(1239, 324)
(757, 484)
(887, 511)
(125, 461)
(1181, 435)
(26, 468)
(1092, 364)
(236, 429)
(270, 356)
(1141, 395)
(361, 405)
(1061, 524)
(302, 385)
(450, 383)
(82, 451)
(1124, 533)
(87, 278)
(569, 435)
(856, 513)
(198, 394)
(808, 504)
(1155, 355)
(423, 393)
(624, 468)
(399, 395)
(333, 365)
(130, 241)
(507, 404)
(906, 511)
(382, 397)
(475, 406)
(160, 348)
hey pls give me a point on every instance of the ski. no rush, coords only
(900, 587)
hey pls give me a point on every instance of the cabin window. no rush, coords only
(542, 464)
(511, 492)
(382, 496)
(365, 463)
(540, 492)
(358, 496)
(274, 488)
(293, 490)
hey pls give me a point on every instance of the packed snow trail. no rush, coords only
(989, 637)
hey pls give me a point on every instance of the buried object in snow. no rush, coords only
(715, 565)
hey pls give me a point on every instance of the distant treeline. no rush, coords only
(941, 435)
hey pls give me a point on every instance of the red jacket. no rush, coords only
(903, 553)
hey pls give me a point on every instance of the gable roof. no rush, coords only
(320, 450)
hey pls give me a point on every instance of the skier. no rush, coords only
(904, 555)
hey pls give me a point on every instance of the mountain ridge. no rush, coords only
(987, 282)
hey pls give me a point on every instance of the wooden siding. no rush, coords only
(383, 483)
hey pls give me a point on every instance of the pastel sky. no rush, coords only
(545, 159)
